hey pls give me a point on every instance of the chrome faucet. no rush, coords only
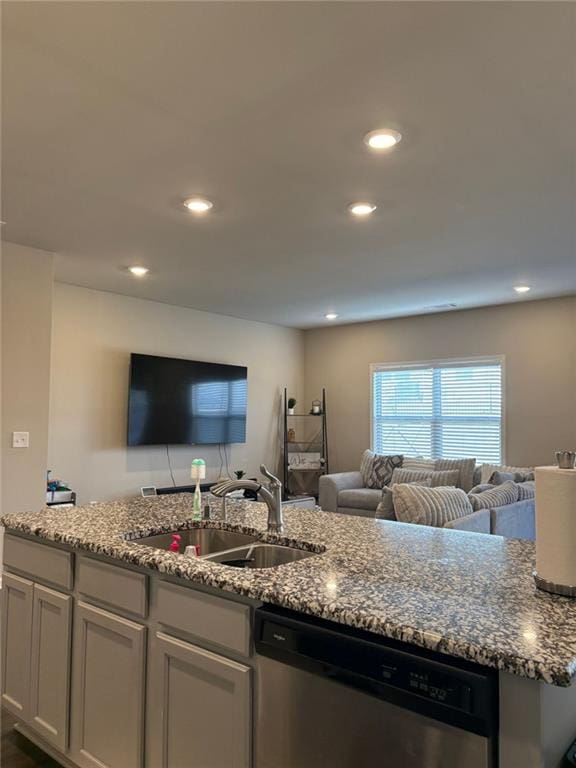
(271, 495)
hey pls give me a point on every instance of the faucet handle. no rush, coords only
(269, 475)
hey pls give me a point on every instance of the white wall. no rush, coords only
(27, 279)
(537, 338)
(93, 335)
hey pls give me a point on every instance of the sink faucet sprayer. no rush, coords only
(271, 495)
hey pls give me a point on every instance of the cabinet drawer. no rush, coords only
(42, 562)
(213, 619)
(113, 585)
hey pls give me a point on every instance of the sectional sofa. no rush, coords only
(346, 493)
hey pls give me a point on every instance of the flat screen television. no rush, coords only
(185, 402)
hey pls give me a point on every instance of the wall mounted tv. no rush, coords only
(185, 402)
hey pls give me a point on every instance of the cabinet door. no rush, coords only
(50, 667)
(201, 710)
(16, 635)
(107, 690)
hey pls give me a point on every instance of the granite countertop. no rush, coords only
(463, 594)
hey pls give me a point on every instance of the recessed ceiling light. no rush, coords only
(383, 138)
(198, 204)
(361, 209)
(521, 288)
(139, 271)
(331, 315)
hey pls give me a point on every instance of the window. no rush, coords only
(444, 409)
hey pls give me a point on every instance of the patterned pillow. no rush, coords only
(430, 506)
(489, 469)
(437, 479)
(499, 496)
(385, 510)
(382, 469)
(526, 490)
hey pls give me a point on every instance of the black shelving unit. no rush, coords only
(301, 474)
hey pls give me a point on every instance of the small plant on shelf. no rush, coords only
(291, 405)
(239, 474)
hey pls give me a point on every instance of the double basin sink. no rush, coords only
(238, 550)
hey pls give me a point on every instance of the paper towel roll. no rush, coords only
(556, 525)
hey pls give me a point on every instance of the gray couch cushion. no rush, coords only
(499, 496)
(360, 498)
(515, 521)
(477, 522)
(429, 506)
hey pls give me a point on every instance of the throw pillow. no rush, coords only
(366, 466)
(385, 510)
(430, 506)
(526, 490)
(498, 478)
(499, 496)
(403, 475)
(382, 469)
(410, 463)
(489, 469)
(437, 478)
(466, 468)
(481, 487)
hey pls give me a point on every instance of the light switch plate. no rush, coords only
(20, 439)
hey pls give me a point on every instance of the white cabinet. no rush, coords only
(201, 712)
(107, 690)
(50, 665)
(17, 596)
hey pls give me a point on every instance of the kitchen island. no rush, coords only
(466, 596)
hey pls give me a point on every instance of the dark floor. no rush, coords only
(18, 752)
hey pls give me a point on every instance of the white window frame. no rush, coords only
(456, 362)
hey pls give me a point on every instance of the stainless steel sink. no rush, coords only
(209, 540)
(259, 556)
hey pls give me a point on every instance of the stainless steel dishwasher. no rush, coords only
(331, 697)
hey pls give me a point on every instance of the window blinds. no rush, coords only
(444, 410)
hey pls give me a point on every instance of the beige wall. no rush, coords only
(27, 279)
(538, 340)
(93, 335)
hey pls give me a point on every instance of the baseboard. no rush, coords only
(39, 742)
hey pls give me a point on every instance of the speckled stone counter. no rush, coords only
(466, 595)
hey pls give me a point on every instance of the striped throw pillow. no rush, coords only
(385, 509)
(366, 466)
(429, 506)
(526, 490)
(437, 479)
(499, 496)
(465, 468)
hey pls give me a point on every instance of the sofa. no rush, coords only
(346, 493)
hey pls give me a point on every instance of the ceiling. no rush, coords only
(114, 112)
